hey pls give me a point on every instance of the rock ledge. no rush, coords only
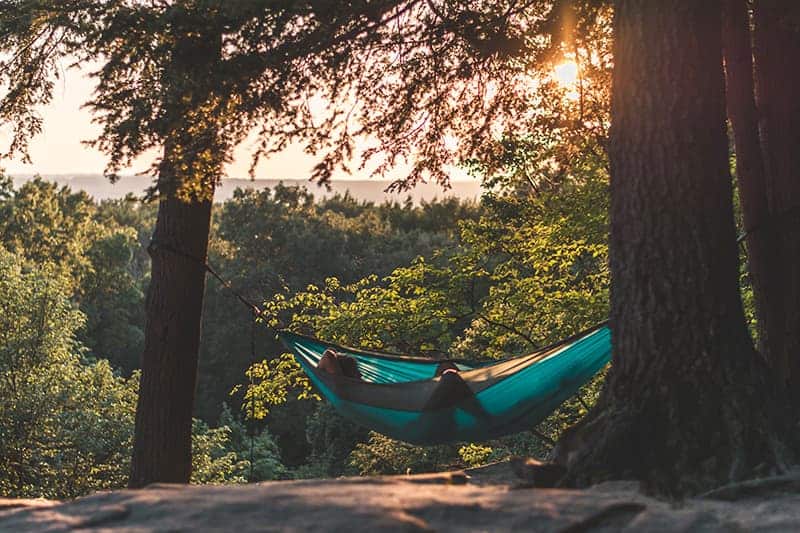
(485, 499)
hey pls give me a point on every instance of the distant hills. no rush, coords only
(369, 190)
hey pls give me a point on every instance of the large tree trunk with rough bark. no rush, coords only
(162, 447)
(777, 56)
(762, 258)
(189, 170)
(688, 404)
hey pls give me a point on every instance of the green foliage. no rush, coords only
(523, 269)
(272, 381)
(382, 455)
(254, 446)
(475, 454)
(514, 284)
(275, 243)
(45, 223)
(331, 438)
(66, 418)
(65, 427)
(112, 299)
(223, 454)
(212, 461)
(271, 241)
(514, 264)
(105, 273)
(97, 255)
(745, 282)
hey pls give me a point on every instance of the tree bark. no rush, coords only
(760, 239)
(688, 404)
(162, 444)
(188, 172)
(777, 55)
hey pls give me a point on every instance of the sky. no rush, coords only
(58, 150)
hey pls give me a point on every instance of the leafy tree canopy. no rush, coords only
(415, 76)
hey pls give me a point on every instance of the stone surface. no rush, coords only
(486, 499)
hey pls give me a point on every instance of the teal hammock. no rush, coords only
(501, 397)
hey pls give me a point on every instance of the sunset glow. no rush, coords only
(566, 74)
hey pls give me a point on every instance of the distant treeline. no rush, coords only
(371, 190)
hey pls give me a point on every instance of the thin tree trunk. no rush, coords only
(688, 404)
(189, 170)
(761, 246)
(777, 55)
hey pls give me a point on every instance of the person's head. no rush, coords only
(330, 363)
(445, 365)
(349, 367)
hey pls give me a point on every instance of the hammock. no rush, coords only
(503, 397)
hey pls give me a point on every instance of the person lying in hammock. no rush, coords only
(451, 389)
(337, 364)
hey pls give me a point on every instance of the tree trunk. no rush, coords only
(189, 170)
(761, 245)
(162, 447)
(688, 404)
(777, 55)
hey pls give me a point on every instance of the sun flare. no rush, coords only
(566, 74)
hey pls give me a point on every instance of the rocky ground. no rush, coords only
(486, 499)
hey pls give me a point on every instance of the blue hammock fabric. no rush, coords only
(503, 397)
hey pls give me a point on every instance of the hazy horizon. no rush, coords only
(370, 190)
